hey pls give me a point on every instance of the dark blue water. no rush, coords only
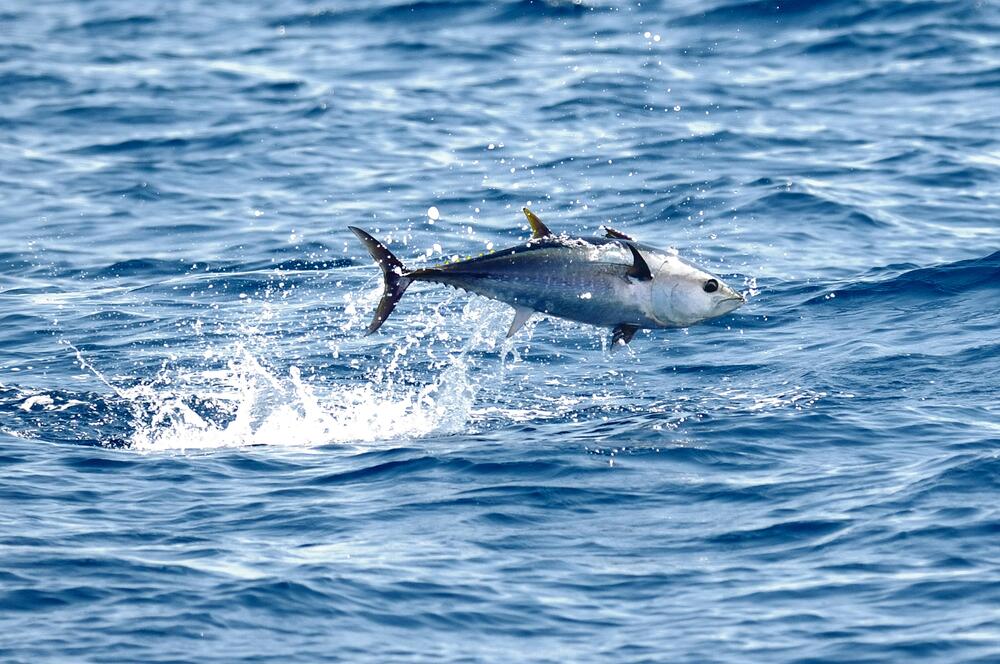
(204, 460)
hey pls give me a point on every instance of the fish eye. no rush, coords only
(711, 286)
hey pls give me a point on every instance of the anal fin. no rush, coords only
(623, 333)
(521, 316)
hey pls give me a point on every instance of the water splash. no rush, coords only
(249, 403)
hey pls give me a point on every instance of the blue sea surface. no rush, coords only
(203, 458)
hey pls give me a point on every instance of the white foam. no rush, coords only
(238, 400)
(42, 400)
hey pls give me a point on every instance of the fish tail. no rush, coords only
(396, 277)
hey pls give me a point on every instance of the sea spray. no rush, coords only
(250, 402)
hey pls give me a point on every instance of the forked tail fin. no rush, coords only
(396, 279)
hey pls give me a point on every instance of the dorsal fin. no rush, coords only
(615, 235)
(538, 229)
(639, 269)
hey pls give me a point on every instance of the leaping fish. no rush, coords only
(609, 281)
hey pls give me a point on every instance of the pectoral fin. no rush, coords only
(615, 235)
(521, 316)
(623, 333)
(639, 269)
(538, 229)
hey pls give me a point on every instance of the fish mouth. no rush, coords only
(736, 296)
(730, 303)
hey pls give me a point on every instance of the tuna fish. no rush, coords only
(610, 281)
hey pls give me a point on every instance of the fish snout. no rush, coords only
(731, 301)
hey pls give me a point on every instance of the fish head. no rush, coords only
(683, 294)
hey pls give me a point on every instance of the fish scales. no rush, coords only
(568, 281)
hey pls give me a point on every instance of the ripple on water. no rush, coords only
(202, 449)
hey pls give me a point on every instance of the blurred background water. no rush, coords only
(204, 460)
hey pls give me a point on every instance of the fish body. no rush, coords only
(611, 281)
(581, 280)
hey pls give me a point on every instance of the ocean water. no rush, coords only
(204, 460)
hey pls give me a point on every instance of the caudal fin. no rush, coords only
(393, 272)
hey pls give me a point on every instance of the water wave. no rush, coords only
(205, 459)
